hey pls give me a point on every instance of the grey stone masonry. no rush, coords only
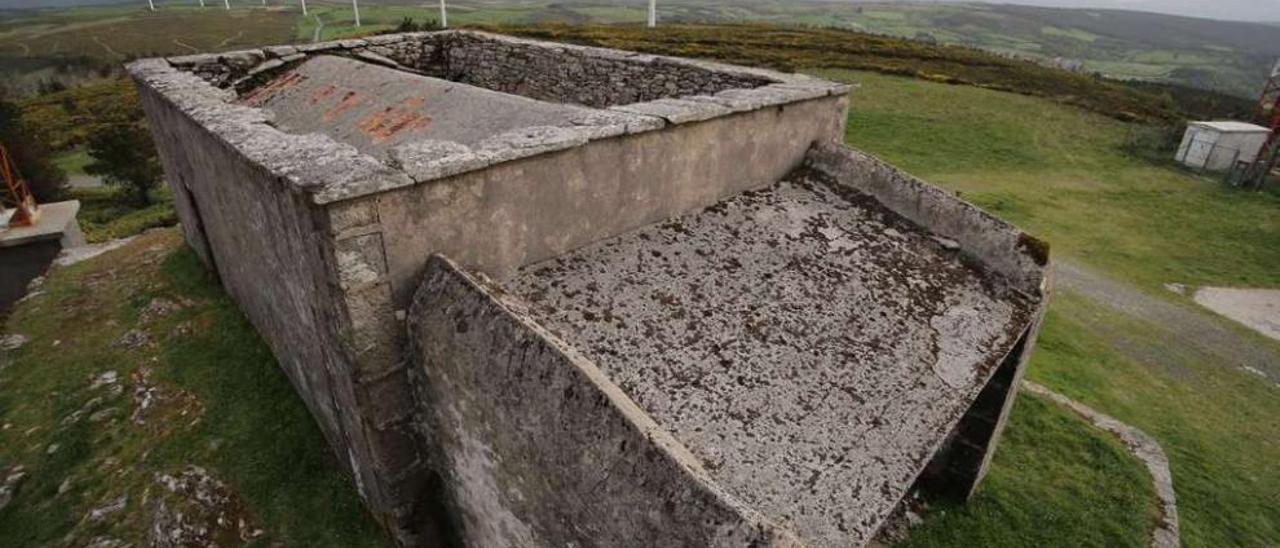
(777, 369)
(546, 295)
(812, 348)
(318, 199)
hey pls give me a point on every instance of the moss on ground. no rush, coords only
(217, 401)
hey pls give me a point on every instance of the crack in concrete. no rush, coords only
(1146, 448)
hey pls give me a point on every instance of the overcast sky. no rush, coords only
(1237, 10)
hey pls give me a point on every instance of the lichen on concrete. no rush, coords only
(811, 347)
(784, 361)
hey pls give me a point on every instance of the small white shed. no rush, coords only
(1215, 146)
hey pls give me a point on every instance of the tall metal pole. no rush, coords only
(304, 7)
(202, 3)
(653, 13)
(227, 3)
(444, 16)
(355, 6)
(152, 5)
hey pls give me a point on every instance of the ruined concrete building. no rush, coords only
(548, 295)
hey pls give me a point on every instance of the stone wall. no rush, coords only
(273, 251)
(515, 213)
(560, 73)
(322, 245)
(539, 448)
(593, 77)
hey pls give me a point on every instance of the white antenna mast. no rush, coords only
(304, 7)
(152, 5)
(653, 13)
(202, 3)
(444, 16)
(355, 6)
(227, 3)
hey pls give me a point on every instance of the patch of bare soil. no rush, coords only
(193, 508)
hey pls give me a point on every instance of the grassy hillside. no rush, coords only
(74, 43)
(143, 386)
(789, 48)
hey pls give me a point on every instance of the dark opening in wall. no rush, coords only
(957, 468)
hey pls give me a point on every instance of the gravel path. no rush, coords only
(1208, 333)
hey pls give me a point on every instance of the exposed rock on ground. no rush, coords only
(195, 509)
(159, 307)
(9, 487)
(152, 401)
(133, 338)
(9, 343)
(114, 505)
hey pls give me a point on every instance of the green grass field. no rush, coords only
(1150, 47)
(1063, 175)
(1053, 478)
(118, 32)
(72, 162)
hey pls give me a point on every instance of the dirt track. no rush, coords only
(1202, 330)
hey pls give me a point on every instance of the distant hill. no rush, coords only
(1227, 10)
(27, 4)
(1230, 57)
(1156, 30)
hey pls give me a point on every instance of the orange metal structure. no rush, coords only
(17, 195)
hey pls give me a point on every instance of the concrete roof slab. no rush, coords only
(811, 347)
(374, 108)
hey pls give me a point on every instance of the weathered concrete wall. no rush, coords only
(322, 245)
(273, 252)
(557, 73)
(1005, 250)
(539, 448)
(524, 211)
(565, 73)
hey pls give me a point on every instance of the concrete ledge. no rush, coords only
(57, 221)
(1015, 255)
(1166, 533)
